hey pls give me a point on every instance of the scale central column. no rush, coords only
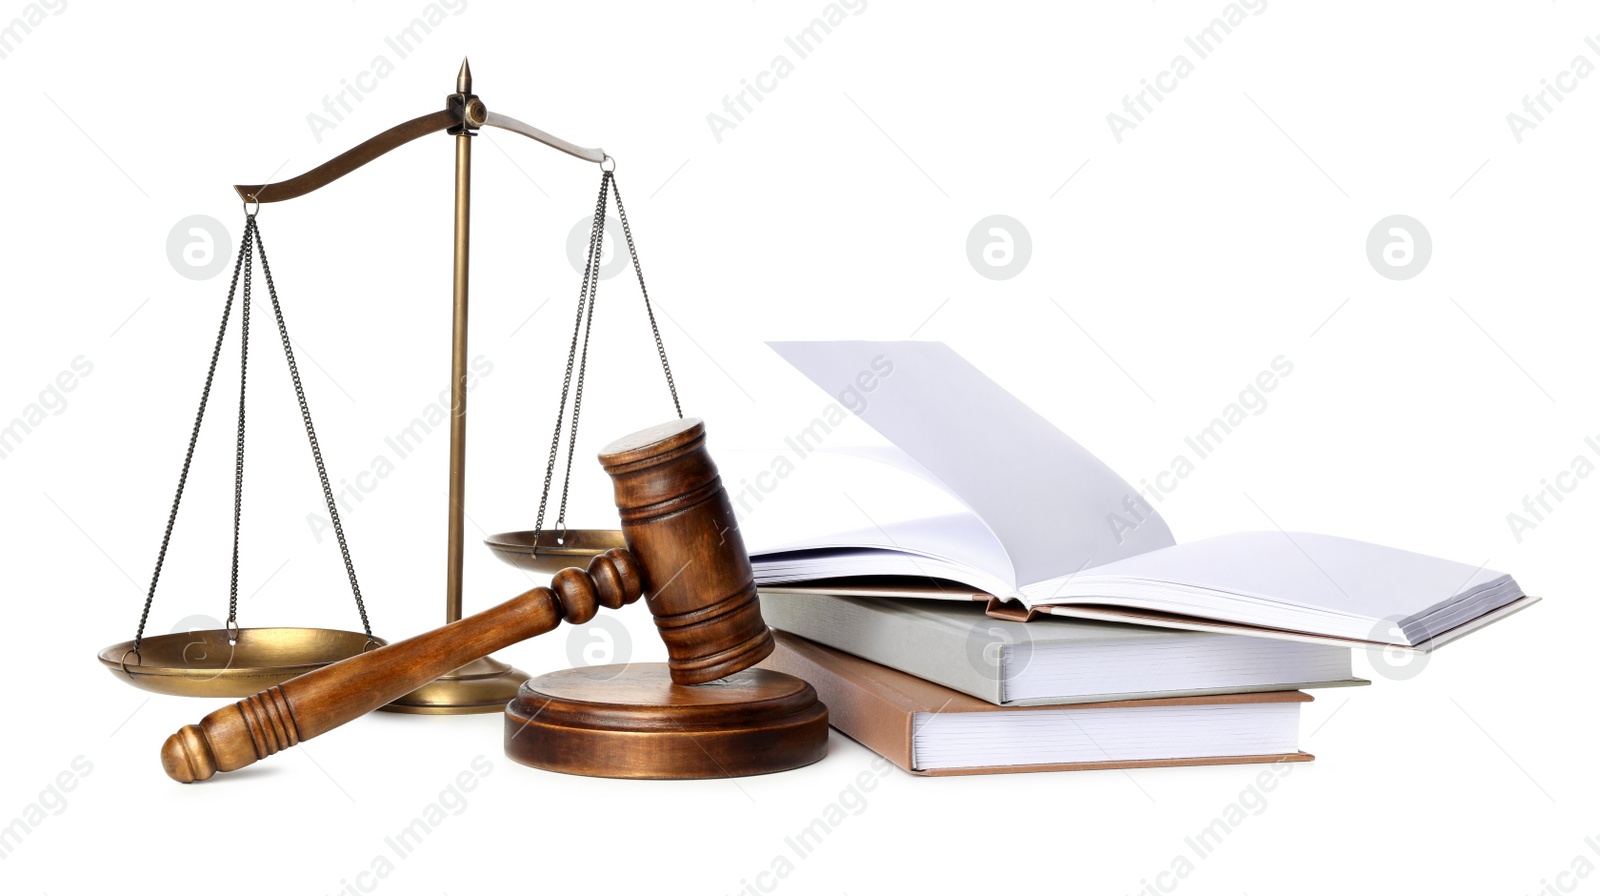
(455, 557)
(484, 685)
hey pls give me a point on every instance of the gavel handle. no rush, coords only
(319, 701)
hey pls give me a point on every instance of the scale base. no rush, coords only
(632, 721)
(484, 685)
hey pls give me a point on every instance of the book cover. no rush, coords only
(1054, 661)
(880, 708)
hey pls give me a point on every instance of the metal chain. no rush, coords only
(596, 250)
(590, 273)
(238, 462)
(194, 435)
(311, 436)
(583, 324)
(661, 350)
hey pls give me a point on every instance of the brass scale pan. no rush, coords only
(549, 552)
(241, 662)
(205, 664)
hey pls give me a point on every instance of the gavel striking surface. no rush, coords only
(633, 721)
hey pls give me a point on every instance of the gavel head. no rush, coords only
(679, 525)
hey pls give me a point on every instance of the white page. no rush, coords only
(1047, 499)
(1321, 572)
(958, 538)
(839, 488)
(1116, 734)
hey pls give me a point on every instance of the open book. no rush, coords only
(1031, 516)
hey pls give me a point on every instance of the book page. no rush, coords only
(959, 538)
(1055, 507)
(834, 490)
(1323, 573)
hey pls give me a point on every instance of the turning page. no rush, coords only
(1054, 507)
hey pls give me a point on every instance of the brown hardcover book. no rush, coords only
(928, 729)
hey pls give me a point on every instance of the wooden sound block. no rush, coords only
(632, 721)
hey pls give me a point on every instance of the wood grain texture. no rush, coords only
(350, 160)
(698, 581)
(684, 553)
(635, 721)
(302, 708)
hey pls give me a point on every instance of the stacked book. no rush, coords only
(1044, 618)
(940, 688)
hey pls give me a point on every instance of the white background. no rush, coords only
(1167, 269)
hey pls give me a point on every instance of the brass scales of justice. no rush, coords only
(708, 712)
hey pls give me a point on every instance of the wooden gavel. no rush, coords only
(684, 554)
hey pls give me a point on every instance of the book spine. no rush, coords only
(962, 658)
(866, 713)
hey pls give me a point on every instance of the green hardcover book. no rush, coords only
(1052, 660)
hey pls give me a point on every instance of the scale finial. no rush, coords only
(464, 77)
